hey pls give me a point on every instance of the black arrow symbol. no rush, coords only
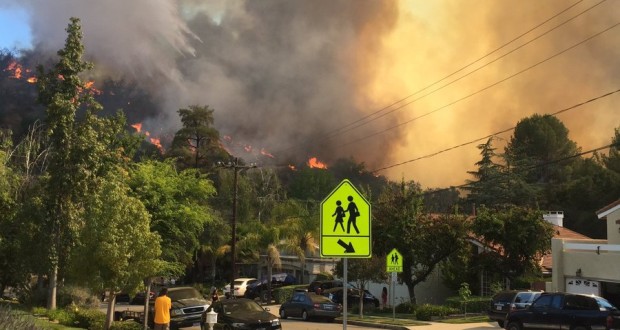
(347, 248)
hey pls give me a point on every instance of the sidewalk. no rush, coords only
(274, 309)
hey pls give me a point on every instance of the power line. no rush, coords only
(341, 131)
(493, 134)
(481, 90)
(344, 129)
(465, 185)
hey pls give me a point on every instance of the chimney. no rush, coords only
(555, 217)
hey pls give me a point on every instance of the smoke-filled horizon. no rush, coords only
(298, 78)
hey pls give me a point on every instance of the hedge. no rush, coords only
(474, 304)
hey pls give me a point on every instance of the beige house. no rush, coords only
(589, 265)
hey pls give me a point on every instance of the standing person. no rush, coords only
(214, 296)
(353, 214)
(384, 297)
(163, 304)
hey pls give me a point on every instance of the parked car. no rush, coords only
(353, 297)
(565, 311)
(241, 285)
(310, 305)
(259, 289)
(188, 304)
(324, 285)
(140, 297)
(241, 313)
(506, 301)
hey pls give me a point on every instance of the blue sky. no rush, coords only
(14, 30)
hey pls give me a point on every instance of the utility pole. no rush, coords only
(236, 168)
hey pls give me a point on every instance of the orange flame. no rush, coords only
(137, 126)
(292, 167)
(265, 153)
(32, 80)
(315, 163)
(157, 143)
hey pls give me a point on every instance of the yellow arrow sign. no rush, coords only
(345, 223)
(394, 262)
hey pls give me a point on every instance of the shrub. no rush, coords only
(126, 325)
(404, 308)
(89, 318)
(285, 293)
(63, 316)
(425, 312)
(474, 304)
(78, 296)
(14, 319)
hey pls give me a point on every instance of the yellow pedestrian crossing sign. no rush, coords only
(345, 223)
(394, 262)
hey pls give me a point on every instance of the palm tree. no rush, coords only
(301, 232)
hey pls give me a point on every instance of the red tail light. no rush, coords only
(317, 306)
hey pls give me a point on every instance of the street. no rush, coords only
(298, 324)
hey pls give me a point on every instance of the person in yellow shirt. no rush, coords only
(163, 304)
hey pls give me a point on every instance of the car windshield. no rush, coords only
(526, 297)
(603, 304)
(185, 293)
(241, 306)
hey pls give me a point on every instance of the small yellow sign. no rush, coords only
(345, 223)
(394, 262)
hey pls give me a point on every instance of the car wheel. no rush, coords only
(304, 315)
(501, 324)
(283, 314)
(514, 326)
(264, 296)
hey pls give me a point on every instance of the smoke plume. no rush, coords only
(315, 78)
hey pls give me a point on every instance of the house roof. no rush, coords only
(602, 213)
(546, 261)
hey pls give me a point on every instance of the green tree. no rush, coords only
(116, 249)
(424, 240)
(178, 203)
(311, 183)
(364, 271)
(197, 143)
(73, 161)
(612, 159)
(489, 184)
(508, 228)
(301, 229)
(540, 152)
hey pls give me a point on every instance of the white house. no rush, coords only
(590, 265)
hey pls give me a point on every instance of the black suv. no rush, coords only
(187, 307)
(324, 285)
(506, 301)
(259, 289)
(566, 311)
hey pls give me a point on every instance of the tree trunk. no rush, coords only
(51, 295)
(110, 312)
(146, 303)
(269, 274)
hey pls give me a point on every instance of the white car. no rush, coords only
(241, 285)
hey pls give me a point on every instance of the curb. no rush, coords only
(374, 325)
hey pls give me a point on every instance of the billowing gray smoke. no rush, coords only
(283, 75)
(279, 74)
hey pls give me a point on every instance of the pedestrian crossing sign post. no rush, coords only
(345, 224)
(394, 262)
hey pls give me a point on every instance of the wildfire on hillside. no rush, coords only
(315, 163)
(153, 140)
